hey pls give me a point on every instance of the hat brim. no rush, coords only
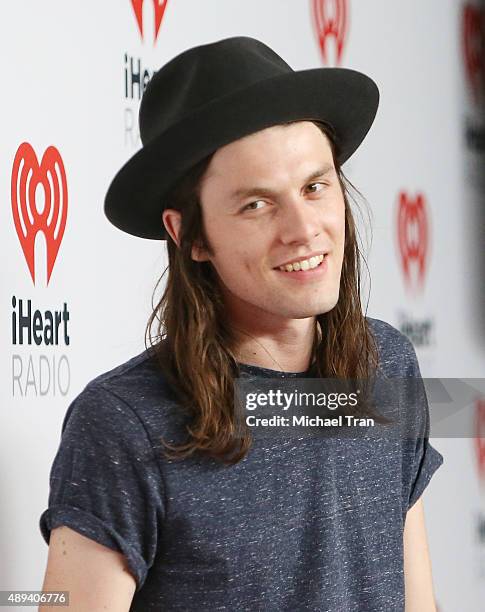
(344, 98)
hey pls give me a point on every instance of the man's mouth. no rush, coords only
(303, 265)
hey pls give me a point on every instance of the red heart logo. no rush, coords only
(27, 177)
(413, 235)
(159, 7)
(330, 20)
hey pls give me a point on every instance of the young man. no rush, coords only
(155, 503)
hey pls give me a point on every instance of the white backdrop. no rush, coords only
(66, 85)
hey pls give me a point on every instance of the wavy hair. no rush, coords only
(193, 337)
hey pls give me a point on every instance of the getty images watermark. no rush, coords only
(383, 407)
(289, 402)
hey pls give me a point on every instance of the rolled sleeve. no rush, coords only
(105, 482)
(430, 460)
(420, 458)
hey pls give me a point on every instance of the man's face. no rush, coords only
(267, 199)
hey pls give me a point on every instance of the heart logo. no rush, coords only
(30, 215)
(412, 230)
(159, 7)
(330, 21)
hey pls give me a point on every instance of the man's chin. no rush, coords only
(299, 312)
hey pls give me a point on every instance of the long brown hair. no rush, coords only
(193, 337)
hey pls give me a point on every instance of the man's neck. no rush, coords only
(286, 350)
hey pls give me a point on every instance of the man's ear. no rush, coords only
(172, 219)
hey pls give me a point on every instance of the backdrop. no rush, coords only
(76, 293)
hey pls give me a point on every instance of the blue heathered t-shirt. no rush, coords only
(298, 524)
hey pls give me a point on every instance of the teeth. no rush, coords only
(305, 264)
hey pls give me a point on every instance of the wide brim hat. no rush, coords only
(214, 94)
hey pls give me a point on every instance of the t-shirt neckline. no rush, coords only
(269, 373)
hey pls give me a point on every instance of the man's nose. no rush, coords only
(299, 220)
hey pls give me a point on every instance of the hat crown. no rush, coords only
(215, 94)
(202, 75)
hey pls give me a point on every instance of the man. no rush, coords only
(156, 503)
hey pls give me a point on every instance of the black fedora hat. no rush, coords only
(213, 94)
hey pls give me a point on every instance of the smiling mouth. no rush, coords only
(303, 265)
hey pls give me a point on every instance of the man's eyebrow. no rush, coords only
(263, 191)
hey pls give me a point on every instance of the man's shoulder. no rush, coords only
(132, 387)
(139, 374)
(396, 352)
(137, 371)
(137, 380)
(385, 332)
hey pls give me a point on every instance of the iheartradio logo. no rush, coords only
(39, 202)
(159, 7)
(473, 40)
(330, 19)
(413, 238)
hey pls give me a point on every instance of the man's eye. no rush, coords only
(247, 207)
(322, 185)
(311, 186)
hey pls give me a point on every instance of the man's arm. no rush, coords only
(417, 565)
(95, 576)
